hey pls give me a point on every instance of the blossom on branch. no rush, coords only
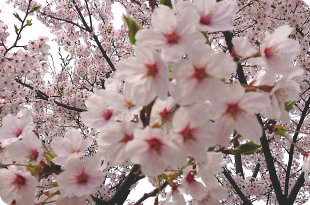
(14, 127)
(236, 110)
(173, 36)
(154, 151)
(17, 184)
(148, 74)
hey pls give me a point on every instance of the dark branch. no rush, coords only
(245, 200)
(295, 190)
(151, 194)
(291, 153)
(271, 168)
(45, 97)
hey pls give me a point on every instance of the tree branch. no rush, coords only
(238, 160)
(296, 188)
(291, 153)
(152, 193)
(45, 97)
(124, 189)
(270, 165)
(106, 57)
(237, 189)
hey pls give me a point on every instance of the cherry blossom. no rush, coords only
(280, 92)
(306, 167)
(78, 180)
(237, 109)
(172, 36)
(17, 184)
(192, 133)
(146, 110)
(72, 144)
(154, 151)
(114, 140)
(214, 16)
(30, 148)
(147, 72)
(161, 111)
(278, 51)
(13, 127)
(189, 184)
(199, 77)
(99, 113)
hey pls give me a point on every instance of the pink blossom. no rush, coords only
(154, 151)
(191, 133)
(213, 15)
(237, 111)
(277, 51)
(161, 111)
(98, 112)
(72, 144)
(114, 140)
(17, 184)
(148, 74)
(199, 77)
(172, 36)
(29, 147)
(80, 178)
(189, 184)
(14, 127)
(306, 167)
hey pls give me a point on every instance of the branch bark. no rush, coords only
(151, 194)
(271, 168)
(291, 153)
(45, 97)
(245, 200)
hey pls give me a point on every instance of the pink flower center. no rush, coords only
(190, 177)
(107, 114)
(18, 132)
(155, 144)
(206, 19)
(128, 103)
(188, 133)
(151, 70)
(82, 178)
(19, 180)
(281, 95)
(270, 52)
(200, 74)
(172, 38)
(73, 150)
(126, 138)
(233, 109)
(164, 114)
(33, 155)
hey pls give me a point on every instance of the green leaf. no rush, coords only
(279, 130)
(34, 8)
(16, 29)
(209, 42)
(289, 105)
(17, 16)
(133, 29)
(166, 2)
(246, 149)
(210, 149)
(29, 22)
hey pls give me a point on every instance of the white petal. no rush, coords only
(249, 127)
